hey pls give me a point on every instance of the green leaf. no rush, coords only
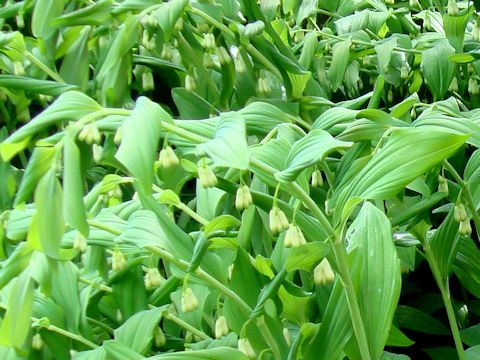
(97, 354)
(44, 13)
(209, 354)
(411, 318)
(49, 216)
(380, 280)
(307, 256)
(117, 351)
(17, 320)
(96, 14)
(168, 14)
(32, 85)
(75, 67)
(407, 154)
(229, 147)
(73, 206)
(340, 59)
(137, 332)
(222, 222)
(437, 69)
(70, 106)
(308, 151)
(141, 134)
(454, 26)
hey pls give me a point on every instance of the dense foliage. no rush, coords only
(239, 179)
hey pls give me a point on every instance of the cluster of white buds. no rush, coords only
(80, 243)
(278, 220)
(206, 176)
(148, 41)
(442, 184)
(460, 213)
(452, 8)
(168, 158)
(243, 198)
(188, 300)
(167, 53)
(152, 279)
(294, 237)
(118, 261)
(221, 327)
(90, 134)
(159, 337)
(404, 71)
(208, 42)
(465, 229)
(245, 347)
(473, 87)
(323, 273)
(317, 179)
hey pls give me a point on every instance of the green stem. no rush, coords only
(54, 75)
(95, 285)
(447, 300)
(192, 214)
(186, 326)
(272, 343)
(212, 21)
(60, 331)
(261, 58)
(214, 283)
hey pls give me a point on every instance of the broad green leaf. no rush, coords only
(411, 318)
(308, 151)
(117, 351)
(16, 323)
(49, 216)
(340, 59)
(97, 13)
(209, 354)
(408, 153)
(44, 13)
(167, 16)
(190, 105)
(75, 67)
(97, 354)
(15, 264)
(69, 106)
(40, 162)
(36, 86)
(471, 335)
(137, 332)
(307, 256)
(454, 26)
(398, 338)
(472, 353)
(222, 222)
(141, 134)
(229, 147)
(73, 206)
(437, 68)
(380, 280)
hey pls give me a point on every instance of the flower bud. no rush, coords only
(476, 32)
(245, 347)
(97, 151)
(80, 243)
(453, 85)
(221, 327)
(159, 337)
(317, 179)
(243, 198)
(465, 229)
(209, 41)
(473, 87)
(208, 61)
(190, 83)
(148, 41)
(188, 300)
(460, 213)
(168, 158)
(404, 71)
(147, 81)
(37, 342)
(118, 261)
(90, 134)
(166, 52)
(20, 21)
(390, 96)
(442, 184)
(207, 176)
(152, 279)
(278, 220)
(414, 4)
(117, 139)
(263, 87)
(18, 68)
(286, 335)
(452, 8)
(116, 192)
(389, 2)
(323, 273)
(294, 237)
(223, 55)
